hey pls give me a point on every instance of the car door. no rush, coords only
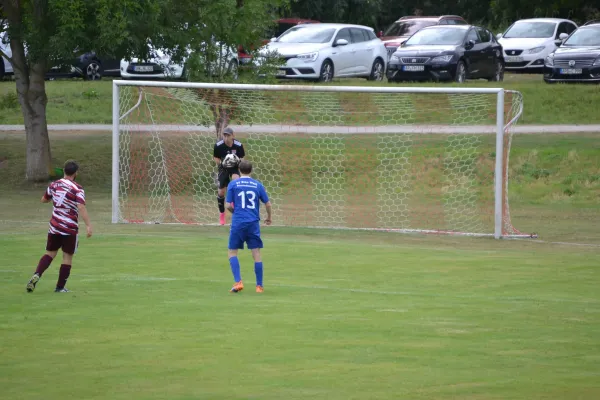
(363, 58)
(476, 55)
(488, 67)
(342, 56)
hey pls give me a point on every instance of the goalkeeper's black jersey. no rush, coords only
(221, 149)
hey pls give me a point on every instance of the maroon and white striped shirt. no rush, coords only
(65, 195)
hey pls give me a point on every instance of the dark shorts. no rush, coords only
(248, 232)
(68, 243)
(225, 176)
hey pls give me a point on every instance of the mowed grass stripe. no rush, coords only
(339, 318)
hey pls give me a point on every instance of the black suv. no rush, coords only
(578, 57)
(399, 31)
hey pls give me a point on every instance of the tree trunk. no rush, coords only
(31, 90)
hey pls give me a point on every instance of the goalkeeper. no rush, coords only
(227, 154)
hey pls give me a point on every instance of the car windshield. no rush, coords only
(437, 36)
(584, 37)
(530, 30)
(307, 34)
(407, 28)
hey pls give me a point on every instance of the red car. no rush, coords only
(405, 27)
(283, 25)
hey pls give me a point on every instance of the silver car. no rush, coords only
(325, 51)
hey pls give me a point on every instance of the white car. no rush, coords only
(528, 42)
(160, 66)
(326, 51)
(5, 66)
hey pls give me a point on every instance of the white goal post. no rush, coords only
(402, 159)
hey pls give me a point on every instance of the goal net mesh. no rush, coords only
(395, 161)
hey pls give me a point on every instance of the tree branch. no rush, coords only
(9, 59)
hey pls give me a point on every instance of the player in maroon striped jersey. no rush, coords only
(68, 199)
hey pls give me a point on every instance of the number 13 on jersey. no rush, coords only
(249, 196)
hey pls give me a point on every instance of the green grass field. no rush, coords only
(75, 101)
(345, 314)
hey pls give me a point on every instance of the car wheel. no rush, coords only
(499, 75)
(326, 74)
(93, 71)
(461, 72)
(377, 71)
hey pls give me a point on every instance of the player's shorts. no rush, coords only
(68, 243)
(225, 176)
(248, 233)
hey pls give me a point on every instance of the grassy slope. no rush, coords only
(90, 102)
(554, 179)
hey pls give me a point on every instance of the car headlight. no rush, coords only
(596, 62)
(549, 61)
(395, 58)
(535, 50)
(308, 57)
(442, 59)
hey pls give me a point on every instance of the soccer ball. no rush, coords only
(230, 161)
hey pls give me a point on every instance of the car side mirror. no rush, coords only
(273, 39)
(558, 42)
(341, 42)
(563, 36)
(470, 44)
(499, 36)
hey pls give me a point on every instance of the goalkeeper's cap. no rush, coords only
(228, 131)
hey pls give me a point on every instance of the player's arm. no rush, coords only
(86, 218)
(269, 209)
(46, 197)
(216, 156)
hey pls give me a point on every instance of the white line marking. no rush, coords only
(185, 235)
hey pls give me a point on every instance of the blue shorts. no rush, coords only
(248, 232)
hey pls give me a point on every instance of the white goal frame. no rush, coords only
(499, 125)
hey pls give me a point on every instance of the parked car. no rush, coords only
(160, 66)
(282, 25)
(405, 27)
(5, 66)
(324, 51)
(528, 42)
(446, 53)
(578, 57)
(87, 66)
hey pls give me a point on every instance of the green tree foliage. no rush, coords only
(45, 33)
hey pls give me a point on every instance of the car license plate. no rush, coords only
(413, 68)
(281, 72)
(513, 59)
(571, 71)
(143, 68)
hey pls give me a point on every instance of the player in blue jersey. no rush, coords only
(243, 200)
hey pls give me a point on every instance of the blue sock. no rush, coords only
(235, 268)
(258, 270)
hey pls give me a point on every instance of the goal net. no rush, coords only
(410, 159)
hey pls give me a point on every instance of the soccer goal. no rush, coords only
(405, 159)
